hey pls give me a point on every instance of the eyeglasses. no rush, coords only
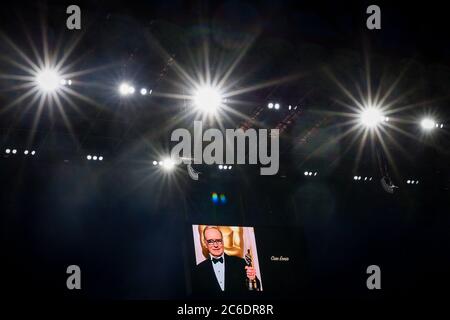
(214, 241)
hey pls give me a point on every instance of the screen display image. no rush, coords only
(244, 261)
(226, 259)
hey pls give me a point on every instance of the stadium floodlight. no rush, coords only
(125, 89)
(168, 164)
(427, 124)
(371, 117)
(208, 99)
(48, 80)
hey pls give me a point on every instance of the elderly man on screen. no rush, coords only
(221, 272)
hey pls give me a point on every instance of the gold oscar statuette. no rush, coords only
(251, 284)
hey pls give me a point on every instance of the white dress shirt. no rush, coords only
(219, 270)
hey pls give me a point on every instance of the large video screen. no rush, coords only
(241, 261)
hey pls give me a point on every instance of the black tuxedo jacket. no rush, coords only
(205, 282)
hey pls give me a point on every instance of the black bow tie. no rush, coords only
(215, 260)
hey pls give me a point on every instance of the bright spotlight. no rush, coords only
(89, 157)
(100, 158)
(305, 173)
(371, 117)
(125, 89)
(94, 158)
(69, 82)
(143, 91)
(168, 164)
(229, 167)
(270, 105)
(427, 124)
(355, 178)
(408, 182)
(225, 167)
(310, 173)
(8, 150)
(208, 99)
(155, 163)
(48, 80)
(14, 151)
(277, 106)
(220, 167)
(63, 82)
(25, 152)
(33, 153)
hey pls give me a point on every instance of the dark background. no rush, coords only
(130, 245)
(125, 225)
